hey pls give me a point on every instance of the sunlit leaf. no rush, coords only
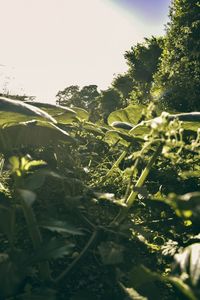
(132, 293)
(189, 262)
(18, 111)
(183, 287)
(34, 163)
(131, 114)
(15, 163)
(81, 113)
(115, 137)
(93, 128)
(61, 114)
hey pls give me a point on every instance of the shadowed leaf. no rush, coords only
(32, 133)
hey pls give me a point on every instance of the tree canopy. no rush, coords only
(178, 78)
(143, 61)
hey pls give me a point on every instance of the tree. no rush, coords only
(110, 100)
(86, 98)
(143, 61)
(178, 79)
(124, 84)
(69, 96)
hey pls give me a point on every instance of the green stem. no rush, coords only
(130, 200)
(116, 164)
(36, 237)
(143, 176)
(76, 260)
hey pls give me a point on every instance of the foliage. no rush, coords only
(177, 80)
(110, 100)
(105, 210)
(85, 98)
(124, 84)
(143, 60)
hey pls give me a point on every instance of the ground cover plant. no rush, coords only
(102, 201)
(87, 200)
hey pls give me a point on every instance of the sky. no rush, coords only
(47, 45)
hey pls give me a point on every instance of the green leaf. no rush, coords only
(60, 227)
(32, 133)
(82, 114)
(190, 121)
(145, 282)
(61, 114)
(93, 128)
(36, 180)
(122, 125)
(28, 196)
(52, 250)
(15, 163)
(18, 111)
(111, 253)
(183, 287)
(132, 293)
(189, 262)
(34, 163)
(114, 136)
(131, 114)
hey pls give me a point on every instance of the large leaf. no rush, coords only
(111, 253)
(52, 249)
(183, 287)
(62, 114)
(189, 262)
(31, 133)
(11, 278)
(131, 114)
(18, 111)
(36, 180)
(190, 121)
(82, 114)
(131, 293)
(145, 282)
(94, 128)
(60, 227)
(115, 137)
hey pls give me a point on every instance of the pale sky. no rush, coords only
(47, 45)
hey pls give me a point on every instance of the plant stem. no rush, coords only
(76, 260)
(143, 176)
(116, 164)
(130, 200)
(36, 237)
